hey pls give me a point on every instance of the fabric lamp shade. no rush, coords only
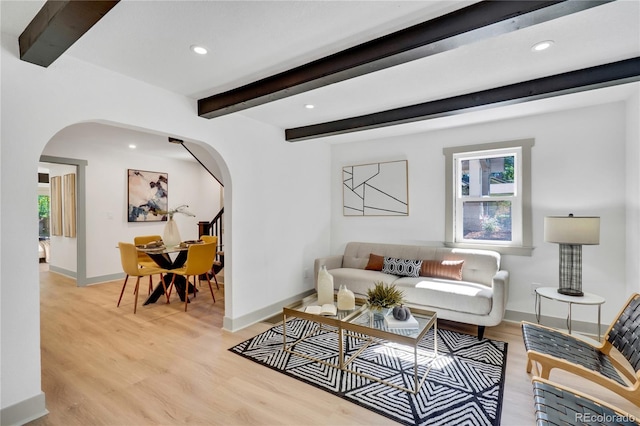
(572, 230)
(571, 233)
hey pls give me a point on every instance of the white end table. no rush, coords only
(552, 294)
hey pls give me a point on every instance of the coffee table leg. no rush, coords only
(284, 331)
(435, 339)
(340, 348)
(415, 368)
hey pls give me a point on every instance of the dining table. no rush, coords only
(172, 257)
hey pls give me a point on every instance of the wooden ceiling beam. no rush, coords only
(57, 26)
(479, 21)
(560, 84)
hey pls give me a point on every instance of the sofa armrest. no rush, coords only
(500, 293)
(331, 262)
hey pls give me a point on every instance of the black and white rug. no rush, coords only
(464, 386)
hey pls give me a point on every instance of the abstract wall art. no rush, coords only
(376, 189)
(148, 196)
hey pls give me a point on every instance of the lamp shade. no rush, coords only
(572, 230)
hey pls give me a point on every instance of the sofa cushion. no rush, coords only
(359, 280)
(356, 255)
(375, 263)
(401, 267)
(479, 265)
(461, 296)
(448, 269)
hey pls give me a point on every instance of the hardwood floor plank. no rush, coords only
(103, 365)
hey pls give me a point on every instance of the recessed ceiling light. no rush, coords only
(543, 45)
(132, 146)
(199, 49)
(309, 106)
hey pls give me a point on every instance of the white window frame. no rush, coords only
(521, 232)
(515, 198)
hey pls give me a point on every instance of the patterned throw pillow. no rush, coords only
(401, 267)
(447, 269)
(375, 262)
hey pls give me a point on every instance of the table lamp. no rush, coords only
(571, 233)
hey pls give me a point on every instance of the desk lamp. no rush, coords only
(571, 233)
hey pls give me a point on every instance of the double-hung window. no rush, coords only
(488, 200)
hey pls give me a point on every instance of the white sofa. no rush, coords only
(479, 298)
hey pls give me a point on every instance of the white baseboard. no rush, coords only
(235, 324)
(582, 327)
(23, 412)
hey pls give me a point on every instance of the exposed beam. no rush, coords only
(570, 82)
(479, 21)
(57, 26)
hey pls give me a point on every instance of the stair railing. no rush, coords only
(213, 228)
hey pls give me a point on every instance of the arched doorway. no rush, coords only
(102, 154)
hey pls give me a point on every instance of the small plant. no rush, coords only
(490, 224)
(384, 296)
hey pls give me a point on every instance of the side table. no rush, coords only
(552, 294)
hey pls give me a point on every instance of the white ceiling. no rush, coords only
(249, 40)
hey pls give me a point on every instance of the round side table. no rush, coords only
(552, 294)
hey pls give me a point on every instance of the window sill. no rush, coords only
(512, 250)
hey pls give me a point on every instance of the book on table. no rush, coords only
(328, 309)
(391, 322)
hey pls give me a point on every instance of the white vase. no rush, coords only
(325, 286)
(171, 235)
(346, 299)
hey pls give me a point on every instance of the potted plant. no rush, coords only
(383, 297)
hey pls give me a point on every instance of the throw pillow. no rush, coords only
(375, 262)
(401, 267)
(448, 269)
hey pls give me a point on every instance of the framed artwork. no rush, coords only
(69, 222)
(377, 189)
(56, 205)
(148, 194)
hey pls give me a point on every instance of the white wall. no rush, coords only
(106, 194)
(275, 224)
(577, 165)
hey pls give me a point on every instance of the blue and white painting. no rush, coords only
(148, 196)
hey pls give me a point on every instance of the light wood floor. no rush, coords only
(103, 365)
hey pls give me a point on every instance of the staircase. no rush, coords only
(214, 227)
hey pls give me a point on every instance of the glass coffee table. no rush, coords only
(361, 324)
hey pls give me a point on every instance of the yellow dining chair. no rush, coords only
(199, 260)
(144, 261)
(217, 265)
(129, 259)
(209, 239)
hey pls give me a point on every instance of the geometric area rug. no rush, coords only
(464, 386)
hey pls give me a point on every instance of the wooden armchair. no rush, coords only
(555, 349)
(558, 405)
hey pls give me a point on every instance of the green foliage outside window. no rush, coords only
(43, 206)
(508, 169)
(43, 215)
